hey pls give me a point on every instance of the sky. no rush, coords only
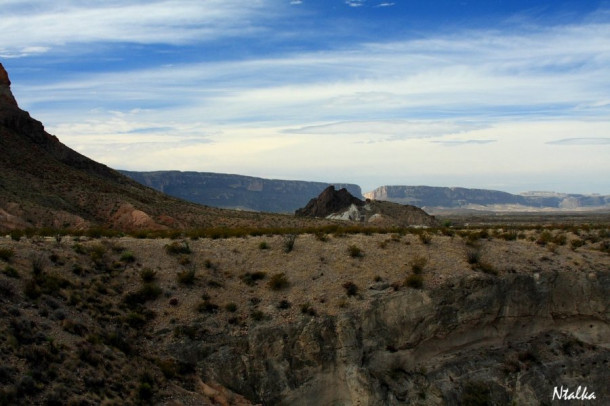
(510, 95)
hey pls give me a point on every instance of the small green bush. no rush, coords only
(414, 281)
(231, 307)
(288, 243)
(176, 248)
(257, 315)
(278, 282)
(186, 277)
(6, 254)
(128, 257)
(355, 251)
(148, 275)
(473, 256)
(263, 245)
(306, 308)
(351, 289)
(11, 272)
(284, 304)
(250, 278)
(418, 264)
(425, 238)
(207, 307)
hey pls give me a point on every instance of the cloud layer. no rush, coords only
(371, 112)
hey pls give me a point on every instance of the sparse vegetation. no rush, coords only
(351, 289)
(250, 278)
(414, 281)
(278, 282)
(355, 251)
(186, 277)
(178, 247)
(288, 243)
(6, 254)
(108, 312)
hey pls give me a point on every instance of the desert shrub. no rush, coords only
(284, 304)
(250, 278)
(418, 264)
(306, 308)
(473, 256)
(6, 254)
(257, 315)
(321, 236)
(576, 243)
(215, 284)
(128, 257)
(425, 238)
(544, 238)
(231, 307)
(177, 247)
(278, 282)
(354, 251)
(207, 307)
(414, 281)
(39, 263)
(351, 289)
(210, 265)
(184, 259)
(288, 242)
(148, 275)
(148, 291)
(7, 289)
(487, 268)
(263, 245)
(186, 277)
(10, 272)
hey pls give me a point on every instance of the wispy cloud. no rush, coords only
(383, 107)
(581, 141)
(42, 24)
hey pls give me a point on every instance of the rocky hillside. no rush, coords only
(459, 317)
(235, 191)
(44, 183)
(341, 205)
(482, 199)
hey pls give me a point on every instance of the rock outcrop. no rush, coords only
(341, 205)
(493, 339)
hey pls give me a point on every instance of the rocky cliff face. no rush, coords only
(486, 339)
(235, 191)
(341, 205)
(445, 197)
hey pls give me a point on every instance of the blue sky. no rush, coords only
(509, 95)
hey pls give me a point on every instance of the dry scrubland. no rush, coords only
(85, 320)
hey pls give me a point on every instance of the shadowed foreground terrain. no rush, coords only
(425, 317)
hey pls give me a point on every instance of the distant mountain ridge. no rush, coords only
(483, 199)
(236, 191)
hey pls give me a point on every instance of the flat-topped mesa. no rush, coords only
(6, 96)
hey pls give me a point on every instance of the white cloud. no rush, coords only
(507, 98)
(43, 24)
